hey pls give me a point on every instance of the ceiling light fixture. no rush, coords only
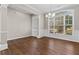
(50, 15)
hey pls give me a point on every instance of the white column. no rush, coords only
(35, 25)
(3, 26)
(41, 25)
(38, 25)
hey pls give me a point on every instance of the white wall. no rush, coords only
(76, 22)
(0, 23)
(76, 18)
(18, 24)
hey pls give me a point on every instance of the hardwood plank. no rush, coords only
(41, 46)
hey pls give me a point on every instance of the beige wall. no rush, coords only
(18, 24)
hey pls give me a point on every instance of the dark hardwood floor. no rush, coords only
(41, 46)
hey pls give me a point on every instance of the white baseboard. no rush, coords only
(17, 37)
(39, 36)
(3, 46)
(65, 39)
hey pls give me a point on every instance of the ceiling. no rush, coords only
(47, 7)
(22, 8)
(39, 8)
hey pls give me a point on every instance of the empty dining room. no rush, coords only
(39, 29)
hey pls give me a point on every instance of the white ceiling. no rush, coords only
(38, 8)
(47, 7)
(22, 8)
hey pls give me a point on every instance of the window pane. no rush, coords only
(59, 21)
(51, 29)
(66, 22)
(66, 17)
(58, 29)
(70, 21)
(59, 24)
(70, 17)
(68, 30)
(51, 26)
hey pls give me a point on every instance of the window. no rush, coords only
(68, 24)
(61, 23)
(51, 26)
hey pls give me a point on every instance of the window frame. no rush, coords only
(64, 32)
